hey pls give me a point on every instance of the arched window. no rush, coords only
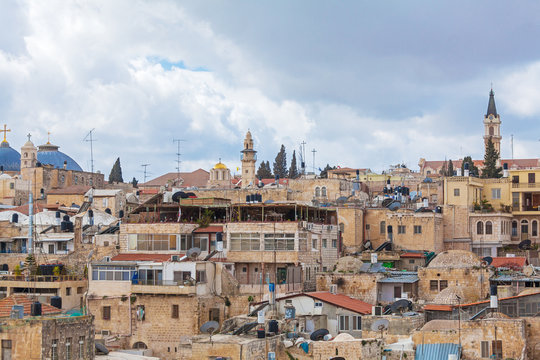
(491, 131)
(514, 228)
(323, 191)
(489, 228)
(524, 227)
(382, 229)
(480, 228)
(139, 345)
(25, 155)
(534, 228)
(317, 191)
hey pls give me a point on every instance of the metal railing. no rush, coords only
(163, 282)
(41, 278)
(526, 185)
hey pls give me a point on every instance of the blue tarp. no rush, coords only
(436, 351)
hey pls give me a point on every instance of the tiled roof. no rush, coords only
(412, 255)
(198, 178)
(7, 303)
(70, 190)
(209, 229)
(509, 262)
(436, 351)
(24, 208)
(143, 257)
(512, 163)
(341, 300)
(435, 307)
(450, 307)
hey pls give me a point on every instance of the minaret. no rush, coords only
(28, 154)
(492, 124)
(249, 157)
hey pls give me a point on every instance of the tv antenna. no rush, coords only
(145, 173)
(178, 154)
(512, 145)
(313, 151)
(90, 139)
(303, 156)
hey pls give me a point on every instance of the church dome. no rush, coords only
(10, 158)
(220, 165)
(48, 154)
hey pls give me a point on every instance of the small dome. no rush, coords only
(455, 259)
(5, 177)
(10, 158)
(449, 296)
(220, 165)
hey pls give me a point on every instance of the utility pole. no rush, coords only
(313, 151)
(178, 154)
(88, 138)
(144, 166)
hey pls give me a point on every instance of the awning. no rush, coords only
(405, 279)
(209, 229)
(54, 240)
(6, 240)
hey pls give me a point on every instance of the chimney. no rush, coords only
(77, 236)
(505, 170)
(466, 169)
(373, 258)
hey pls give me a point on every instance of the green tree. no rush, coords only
(264, 171)
(324, 172)
(116, 173)
(134, 182)
(30, 264)
(490, 162)
(444, 169)
(280, 163)
(450, 170)
(293, 170)
(473, 170)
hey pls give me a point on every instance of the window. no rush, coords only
(150, 276)
(156, 242)
(334, 243)
(417, 229)
(314, 243)
(433, 285)
(245, 241)
(489, 228)
(411, 261)
(496, 348)
(105, 202)
(68, 291)
(201, 276)
(524, 227)
(81, 347)
(495, 193)
(514, 228)
(480, 228)
(62, 246)
(515, 179)
(54, 349)
(343, 323)
(491, 131)
(174, 313)
(201, 241)
(401, 229)
(6, 349)
(356, 322)
(111, 273)
(484, 349)
(213, 315)
(317, 191)
(534, 228)
(106, 313)
(456, 192)
(515, 201)
(323, 191)
(244, 269)
(12, 186)
(531, 178)
(324, 243)
(382, 227)
(280, 241)
(443, 284)
(68, 348)
(79, 290)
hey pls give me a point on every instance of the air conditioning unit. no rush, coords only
(107, 258)
(105, 332)
(377, 310)
(333, 289)
(175, 258)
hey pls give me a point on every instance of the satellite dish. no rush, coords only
(529, 270)
(387, 202)
(400, 305)
(179, 195)
(380, 325)
(486, 261)
(318, 335)
(210, 327)
(525, 245)
(394, 206)
(193, 253)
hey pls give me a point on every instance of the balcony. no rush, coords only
(42, 278)
(163, 287)
(526, 186)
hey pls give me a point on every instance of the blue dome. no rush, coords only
(48, 154)
(10, 158)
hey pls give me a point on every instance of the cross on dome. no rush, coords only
(5, 131)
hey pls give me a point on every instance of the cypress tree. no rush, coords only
(116, 172)
(264, 172)
(280, 163)
(293, 170)
(450, 171)
(490, 162)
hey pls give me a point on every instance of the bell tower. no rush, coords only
(28, 154)
(492, 125)
(248, 157)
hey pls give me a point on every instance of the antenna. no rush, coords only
(303, 156)
(314, 151)
(178, 154)
(88, 138)
(145, 166)
(512, 145)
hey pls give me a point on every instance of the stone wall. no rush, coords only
(353, 225)
(361, 349)
(359, 286)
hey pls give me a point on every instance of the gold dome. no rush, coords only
(220, 165)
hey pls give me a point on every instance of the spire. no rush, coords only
(492, 110)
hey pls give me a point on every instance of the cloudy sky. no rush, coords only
(365, 83)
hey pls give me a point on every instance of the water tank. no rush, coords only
(261, 334)
(56, 301)
(248, 199)
(15, 218)
(35, 309)
(108, 211)
(438, 210)
(69, 226)
(121, 214)
(58, 215)
(259, 198)
(63, 226)
(66, 218)
(273, 326)
(91, 213)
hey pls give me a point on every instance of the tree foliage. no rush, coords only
(473, 170)
(450, 170)
(324, 172)
(264, 171)
(30, 264)
(293, 170)
(116, 172)
(490, 162)
(134, 182)
(280, 163)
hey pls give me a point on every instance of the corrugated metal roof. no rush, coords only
(514, 278)
(436, 351)
(407, 279)
(372, 268)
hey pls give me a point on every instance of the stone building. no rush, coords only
(220, 176)
(248, 158)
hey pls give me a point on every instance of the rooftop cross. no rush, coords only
(29, 136)
(48, 137)
(5, 131)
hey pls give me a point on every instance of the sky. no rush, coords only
(367, 84)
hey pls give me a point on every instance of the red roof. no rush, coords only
(198, 178)
(509, 262)
(7, 303)
(71, 190)
(143, 257)
(413, 255)
(341, 300)
(438, 307)
(23, 209)
(450, 307)
(209, 229)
